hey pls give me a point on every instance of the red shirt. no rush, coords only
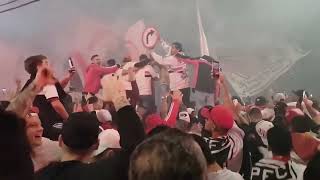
(93, 76)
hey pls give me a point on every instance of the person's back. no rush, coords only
(280, 166)
(78, 140)
(273, 169)
(63, 171)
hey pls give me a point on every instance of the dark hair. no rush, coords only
(143, 57)
(300, 124)
(255, 113)
(111, 62)
(178, 46)
(279, 140)
(32, 62)
(280, 109)
(158, 130)
(312, 171)
(170, 155)
(92, 100)
(15, 160)
(94, 56)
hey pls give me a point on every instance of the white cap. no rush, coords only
(262, 127)
(109, 138)
(184, 116)
(190, 110)
(103, 115)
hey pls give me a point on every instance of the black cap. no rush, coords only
(261, 101)
(80, 131)
(111, 62)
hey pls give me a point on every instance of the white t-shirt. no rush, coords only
(48, 152)
(143, 78)
(125, 79)
(49, 91)
(177, 70)
(224, 174)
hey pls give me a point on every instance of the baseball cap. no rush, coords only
(261, 101)
(109, 138)
(103, 115)
(190, 110)
(262, 128)
(80, 131)
(183, 115)
(222, 117)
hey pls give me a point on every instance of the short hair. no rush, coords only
(280, 109)
(94, 56)
(312, 171)
(255, 113)
(15, 160)
(31, 63)
(93, 100)
(143, 57)
(170, 155)
(111, 62)
(279, 140)
(178, 46)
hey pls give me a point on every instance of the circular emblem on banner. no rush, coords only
(150, 37)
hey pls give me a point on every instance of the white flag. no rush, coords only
(203, 39)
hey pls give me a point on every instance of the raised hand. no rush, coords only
(177, 96)
(44, 77)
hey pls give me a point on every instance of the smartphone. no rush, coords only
(71, 65)
(304, 95)
(4, 90)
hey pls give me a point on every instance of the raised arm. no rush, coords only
(315, 115)
(104, 70)
(65, 81)
(21, 103)
(174, 109)
(129, 125)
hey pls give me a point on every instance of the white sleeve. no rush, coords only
(50, 91)
(237, 136)
(157, 57)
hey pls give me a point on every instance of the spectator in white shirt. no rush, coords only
(177, 71)
(44, 151)
(144, 77)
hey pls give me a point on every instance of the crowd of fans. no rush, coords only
(121, 134)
